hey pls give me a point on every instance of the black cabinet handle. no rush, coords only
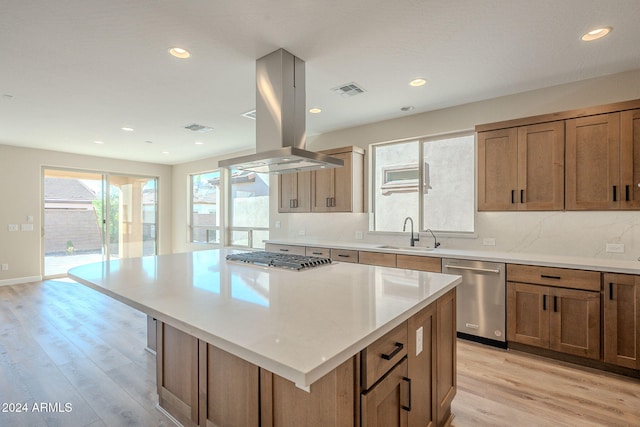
(316, 253)
(344, 256)
(545, 276)
(284, 250)
(399, 347)
(611, 291)
(513, 196)
(555, 304)
(544, 302)
(615, 193)
(408, 381)
(626, 193)
(521, 196)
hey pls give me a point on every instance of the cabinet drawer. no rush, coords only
(382, 355)
(377, 258)
(344, 255)
(557, 277)
(417, 262)
(320, 252)
(287, 249)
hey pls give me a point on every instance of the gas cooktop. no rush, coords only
(273, 259)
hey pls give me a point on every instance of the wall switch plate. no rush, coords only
(12, 227)
(26, 227)
(30, 219)
(489, 241)
(358, 235)
(615, 248)
(419, 340)
(5, 267)
(301, 232)
(278, 224)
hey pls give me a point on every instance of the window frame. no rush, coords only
(216, 228)
(422, 171)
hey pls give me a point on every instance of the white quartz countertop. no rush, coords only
(297, 324)
(581, 263)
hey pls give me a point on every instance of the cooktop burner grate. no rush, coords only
(273, 259)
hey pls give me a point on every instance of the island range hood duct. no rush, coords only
(280, 120)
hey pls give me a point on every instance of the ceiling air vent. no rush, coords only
(198, 128)
(250, 114)
(349, 89)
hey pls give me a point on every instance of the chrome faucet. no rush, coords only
(412, 240)
(435, 241)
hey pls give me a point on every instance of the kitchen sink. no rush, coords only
(406, 248)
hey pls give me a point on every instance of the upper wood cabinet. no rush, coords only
(329, 190)
(521, 168)
(630, 159)
(294, 192)
(340, 189)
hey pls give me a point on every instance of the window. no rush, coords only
(445, 175)
(249, 209)
(205, 203)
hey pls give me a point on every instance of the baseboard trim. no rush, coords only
(20, 280)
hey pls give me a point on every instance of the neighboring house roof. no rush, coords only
(65, 189)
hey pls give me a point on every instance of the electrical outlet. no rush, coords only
(301, 232)
(615, 248)
(358, 235)
(419, 340)
(12, 227)
(30, 219)
(489, 241)
(5, 267)
(26, 227)
(278, 224)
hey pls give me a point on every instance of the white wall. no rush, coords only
(565, 233)
(21, 195)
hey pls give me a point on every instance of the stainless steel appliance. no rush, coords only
(481, 313)
(274, 259)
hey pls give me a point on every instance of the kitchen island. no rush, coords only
(340, 344)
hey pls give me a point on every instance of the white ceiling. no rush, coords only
(80, 70)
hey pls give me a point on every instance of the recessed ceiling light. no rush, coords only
(199, 143)
(98, 142)
(165, 152)
(315, 110)
(596, 34)
(417, 82)
(126, 129)
(179, 52)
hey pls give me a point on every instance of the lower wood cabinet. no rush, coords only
(559, 319)
(177, 373)
(412, 384)
(388, 403)
(377, 258)
(622, 320)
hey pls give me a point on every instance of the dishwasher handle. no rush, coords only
(483, 270)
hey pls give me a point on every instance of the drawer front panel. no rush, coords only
(383, 354)
(319, 252)
(377, 258)
(285, 249)
(556, 277)
(344, 255)
(422, 263)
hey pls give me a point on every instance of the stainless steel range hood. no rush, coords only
(280, 120)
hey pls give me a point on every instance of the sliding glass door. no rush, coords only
(90, 216)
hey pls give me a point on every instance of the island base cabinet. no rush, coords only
(445, 361)
(177, 373)
(330, 401)
(229, 389)
(388, 403)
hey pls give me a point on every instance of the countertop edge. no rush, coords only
(560, 261)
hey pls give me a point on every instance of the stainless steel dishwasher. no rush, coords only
(480, 310)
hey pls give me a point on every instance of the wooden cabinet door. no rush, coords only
(574, 327)
(446, 372)
(294, 192)
(229, 389)
(497, 170)
(177, 373)
(332, 188)
(622, 320)
(421, 358)
(387, 403)
(528, 314)
(630, 159)
(541, 167)
(592, 163)
(322, 190)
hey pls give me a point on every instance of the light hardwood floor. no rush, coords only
(63, 343)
